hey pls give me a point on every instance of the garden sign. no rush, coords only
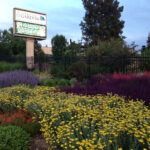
(31, 25)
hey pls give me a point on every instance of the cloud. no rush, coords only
(137, 20)
(64, 17)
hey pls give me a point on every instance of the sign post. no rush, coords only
(30, 53)
(30, 25)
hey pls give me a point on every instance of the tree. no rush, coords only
(145, 50)
(113, 47)
(102, 20)
(37, 49)
(15, 46)
(73, 49)
(148, 41)
(59, 44)
(4, 47)
(109, 56)
(10, 45)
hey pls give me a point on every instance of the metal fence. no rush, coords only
(105, 64)
(93, 65)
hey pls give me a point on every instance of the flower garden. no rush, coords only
(108, 112)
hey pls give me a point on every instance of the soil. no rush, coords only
(38, 143)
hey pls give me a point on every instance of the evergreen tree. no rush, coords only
(102, 20)
(59, 43)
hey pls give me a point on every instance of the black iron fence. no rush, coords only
(105, 64)
(86, 65)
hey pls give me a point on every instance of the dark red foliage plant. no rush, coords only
(132, 86)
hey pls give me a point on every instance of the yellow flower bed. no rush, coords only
(76, 122)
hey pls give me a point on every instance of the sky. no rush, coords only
(64, 17)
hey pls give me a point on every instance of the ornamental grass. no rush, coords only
(78, 122)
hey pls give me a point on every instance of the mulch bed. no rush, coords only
(38, 143)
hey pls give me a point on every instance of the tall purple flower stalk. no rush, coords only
(18, 77)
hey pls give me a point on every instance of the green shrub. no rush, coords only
(111, 54)
(43, 80)
(7, 107)
(96, 69)
(36, 71)
(58, 70)
(31, 128)
(145, 65)
(78, 70)
(50, 82)
(13, 138)
(112, 47)
(54, 81)
(63, 82)
(73, 82)
(6, 66)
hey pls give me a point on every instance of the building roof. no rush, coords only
(47, 50)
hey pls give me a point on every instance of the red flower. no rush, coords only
(29, 120)
(8, 120)
(24, 116)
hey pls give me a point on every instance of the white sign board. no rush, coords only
(35, 18)
(30, 24)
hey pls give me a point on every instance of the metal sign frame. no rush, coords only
(28, 36)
